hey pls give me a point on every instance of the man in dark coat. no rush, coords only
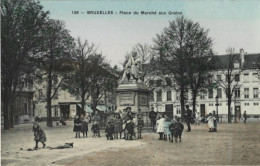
(188, 116)
(245, 116)
(152, 116)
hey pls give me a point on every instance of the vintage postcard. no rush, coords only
(120, 82)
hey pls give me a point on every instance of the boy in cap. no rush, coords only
(176, 129)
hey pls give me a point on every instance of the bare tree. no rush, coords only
(78, 81)
(231, 73)
(179, 44)
(21, 29)
(56, 50)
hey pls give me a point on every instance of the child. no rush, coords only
(160, 127)
(135, 127)
(77, 126)
(129, 130)
(84, 127)
(109, 131)
(140, 124)
(176, 129)
(95, 129)
(210, 120)
(118, 126)
(39, 135)
(166, 129)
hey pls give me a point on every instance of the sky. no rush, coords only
(231, 23)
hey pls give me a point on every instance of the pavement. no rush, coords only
(233, 144)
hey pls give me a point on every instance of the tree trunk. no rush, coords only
(6, 114)
(182, 102)
(194, 101)
(229, 109)
(82, 105)
(49, 111)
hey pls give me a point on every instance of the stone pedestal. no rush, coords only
(134, 95)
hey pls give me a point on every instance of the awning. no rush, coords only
(102, 108)
(87, 108)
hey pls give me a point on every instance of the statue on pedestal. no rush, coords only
(132, 69)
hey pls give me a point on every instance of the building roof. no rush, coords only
(250, 60)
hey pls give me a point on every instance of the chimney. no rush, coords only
(242, 56)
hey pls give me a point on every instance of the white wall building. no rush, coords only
(246, 96)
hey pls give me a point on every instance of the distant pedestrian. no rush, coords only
(215, 121)
(109, 131)
(84, 127)
(197, 119)
(118, 126)
(245, 117)
(39, 135)
(188, 117)
(176, 129)
(140, 124)
(152, 116)
(95, 129)
(77, 126)
(210, 120)
(160, 127)
(167, 132)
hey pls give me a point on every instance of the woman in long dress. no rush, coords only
(210, 120)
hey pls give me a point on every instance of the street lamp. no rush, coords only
(217, 104)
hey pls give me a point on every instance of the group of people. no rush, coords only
(126, 122)
(169, 129)
(81, 125)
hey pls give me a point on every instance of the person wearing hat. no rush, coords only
(152, 116)
(77, 126)
(245, 117)
(39, 135)
(109, 130)
(188, 117)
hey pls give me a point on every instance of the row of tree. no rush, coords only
(35, 46)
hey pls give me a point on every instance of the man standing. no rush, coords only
(152, 116)
(188, 115)
(245, 117)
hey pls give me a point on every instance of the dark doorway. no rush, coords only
(169, 110)
(65, 111)
(202, 110)
(237, 113)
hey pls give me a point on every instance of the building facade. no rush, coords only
(246, 96)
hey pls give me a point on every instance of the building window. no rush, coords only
(220, 104)
(25, 108)
(178, 96)
(210, 78)
(210, 93)
(237, 77)
(210, 104)
(237, 93)
(246, 104)
(255, 104)
(178, 110)
(246, 92)
(255, 77)
(255, 92)
(40, 94)
(169, 95)
(168, 81)
(202, 96)
(219, 77)
(219, 93)
(151, 82)
(56, 110)
(246, 77)
(158, 83)
(159, 95)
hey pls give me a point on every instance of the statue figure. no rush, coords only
(132, 68)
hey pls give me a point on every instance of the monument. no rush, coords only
(132, 92)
